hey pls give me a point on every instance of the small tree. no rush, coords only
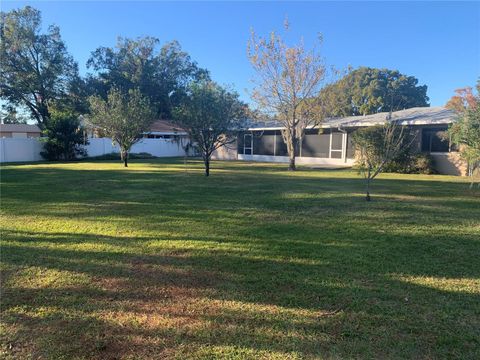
(288, 78)
(64, 137)
(376, 146)
(209, 114)
(466, 131)
(122, 117)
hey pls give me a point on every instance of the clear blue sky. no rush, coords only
(438, 42)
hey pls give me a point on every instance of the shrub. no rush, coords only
(64, 138)
(423, 164)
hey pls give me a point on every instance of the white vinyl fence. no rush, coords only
(26, 150)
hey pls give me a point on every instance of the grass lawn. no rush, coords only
(150, 261)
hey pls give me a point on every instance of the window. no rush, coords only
(315, 144)
(247, 144)
(263, 143)
(435, 140)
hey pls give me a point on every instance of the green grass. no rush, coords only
(151, 261)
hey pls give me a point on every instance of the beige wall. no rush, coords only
(228, 152)
(449, 163)
(10, 134)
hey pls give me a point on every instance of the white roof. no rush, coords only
(23, 128)
(414, 116)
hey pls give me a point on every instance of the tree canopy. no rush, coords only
(465, 132)
(287, 78)
(368, 90)
(376, 146)
(160, 75)
(36, 71)
(123, 117)
(210, 114)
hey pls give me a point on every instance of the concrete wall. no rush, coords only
(26, 150)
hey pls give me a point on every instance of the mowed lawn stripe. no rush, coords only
(157, 261)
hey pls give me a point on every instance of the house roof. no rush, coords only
(413, 116)
(22, 128)
(165, 126)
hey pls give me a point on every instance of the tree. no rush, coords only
(287, 78)
(162, 76)
(64, 137)
(35, 69)
(367, 91)
(209, 113)
(465, 132)
(123, 117)
(10, 115)
(376, 146)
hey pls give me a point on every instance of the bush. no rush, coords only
(64, 138)
(423, 164)
(411, 162)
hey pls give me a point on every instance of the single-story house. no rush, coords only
(164, 129)
(160, 129)
(330, 143)
(19, 131)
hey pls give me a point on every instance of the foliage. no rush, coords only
(410, 162)
(368, 91)
(465, 132)
(210, 114)
(155, 263)
(377, 146)
(10, 115)
(123, 117)
(64, 137)
(160, 75)
(36, 71)
(287, 78)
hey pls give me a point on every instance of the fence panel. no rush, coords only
(26, 150)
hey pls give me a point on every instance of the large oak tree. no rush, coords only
(367, 91)
(162, 75)
(36, 71)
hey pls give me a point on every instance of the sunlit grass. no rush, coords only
(157, 261)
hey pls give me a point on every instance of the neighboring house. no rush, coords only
(19, 131)
(330, 143)
(164, 129)
(160, 129)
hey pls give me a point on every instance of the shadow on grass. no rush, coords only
(245, 260)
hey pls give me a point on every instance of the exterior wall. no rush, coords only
(299, 160)
(228, 152)
(10, 134)
(449, 163)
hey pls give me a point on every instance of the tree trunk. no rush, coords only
(124, 157)
(291, 165)
(207, 166)
(367, 190)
